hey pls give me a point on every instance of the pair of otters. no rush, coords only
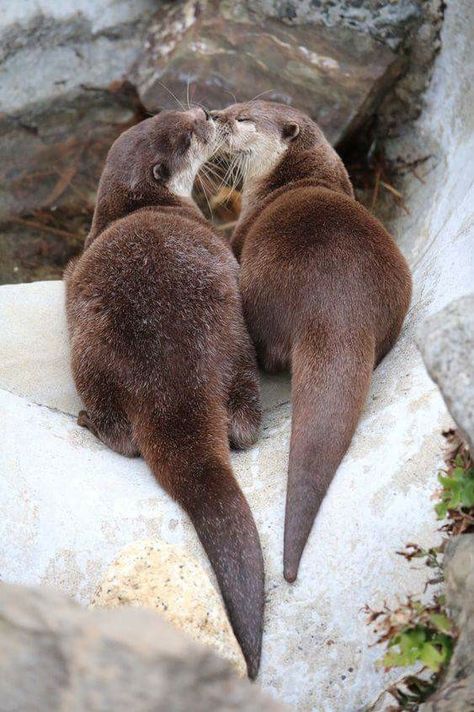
(158, 313)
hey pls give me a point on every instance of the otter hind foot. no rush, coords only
(245, 412)
(85, 422)
(117, 436)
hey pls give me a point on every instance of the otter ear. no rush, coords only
(161, 172)
(290, 131)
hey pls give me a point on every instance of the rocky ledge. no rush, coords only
(456, 693)
(56, 656)
(69, 505)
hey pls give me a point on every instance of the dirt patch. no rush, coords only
(39, 245)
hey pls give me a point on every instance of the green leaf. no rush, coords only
(441, 622)
(467, 493)
(432, 657)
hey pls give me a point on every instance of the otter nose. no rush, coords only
(199, 111)
(216, 115)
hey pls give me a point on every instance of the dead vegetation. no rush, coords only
(40, 244)
(419, 632)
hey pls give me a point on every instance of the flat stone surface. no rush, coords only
(152, 574)
(34, 350)
(70, 504)
(212, 51)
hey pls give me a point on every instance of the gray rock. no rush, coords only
(56, 656)
(459, 577)
(409, 27)
(386, 21)
(446, 342)
(457, 690)
(62, 96)
(211, 51)
(65, 96)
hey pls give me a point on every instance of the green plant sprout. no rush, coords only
(418, 633)
(457, 491)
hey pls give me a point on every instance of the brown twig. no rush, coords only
(375, 194)
(397, 195)
(227, 226)
(417, 175)
(65, 179)
(391, 189)
(44, 228)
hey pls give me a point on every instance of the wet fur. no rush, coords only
(162, 359)
(325, 292)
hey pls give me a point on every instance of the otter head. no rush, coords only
(261, 132)
(278, 143)
(153, 163)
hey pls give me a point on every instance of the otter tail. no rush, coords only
(330, 378)
(200, 479)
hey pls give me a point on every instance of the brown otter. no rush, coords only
(324, 286)
(159, 349)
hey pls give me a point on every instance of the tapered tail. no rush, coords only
(330, 379)
(203, 484)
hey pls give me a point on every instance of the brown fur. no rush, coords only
(160, 353)
(325, 292)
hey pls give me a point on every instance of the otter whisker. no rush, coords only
(227, 172)
(231, 93)
(187, 92)
(242, 169)
(233, 178)
(267, 91)
(230, 170)
(209, 170)
(237, 174)
(218, 155)
(172, 95)
(205, 195)
(211, 178)
(203, 106)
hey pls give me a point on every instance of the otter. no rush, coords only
(159, 349)
(324, 286)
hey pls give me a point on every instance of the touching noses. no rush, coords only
(223, 122)
(219, 116)
(199, 111)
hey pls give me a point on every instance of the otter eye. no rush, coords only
(161, 172)
(242, 118)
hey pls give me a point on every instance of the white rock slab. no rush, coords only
(34, 350)
(69, 505)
